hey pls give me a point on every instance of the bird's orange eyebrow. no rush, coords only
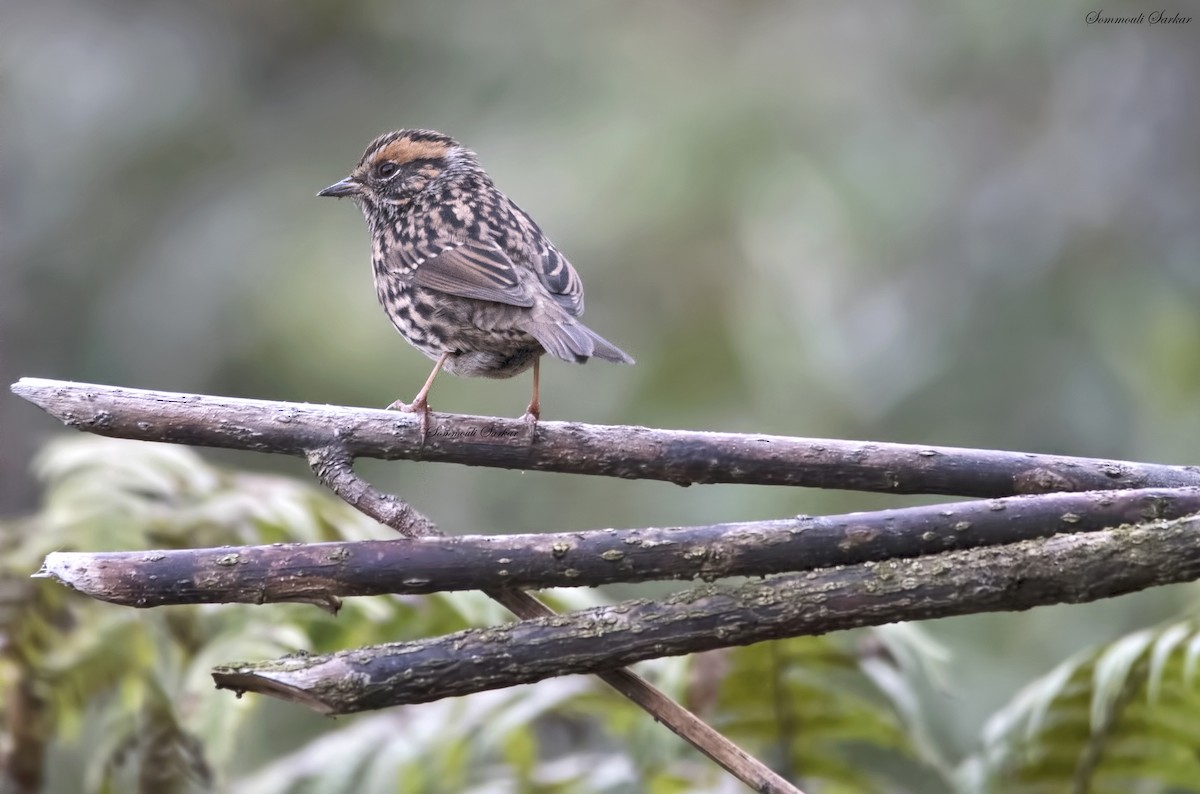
(406, 150)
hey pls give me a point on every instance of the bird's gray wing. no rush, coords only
(469, 269)
(557, 275)
(551, 267)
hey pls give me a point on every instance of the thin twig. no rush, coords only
(678, 456)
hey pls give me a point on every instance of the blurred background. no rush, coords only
(965, 224)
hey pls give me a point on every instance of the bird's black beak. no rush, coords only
(347, 187)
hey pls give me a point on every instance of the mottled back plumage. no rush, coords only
(465, 275)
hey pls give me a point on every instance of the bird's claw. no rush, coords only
(530, 417)
(421, 407)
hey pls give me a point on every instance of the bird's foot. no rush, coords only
(531, 416)
(420, 406)
(533, 413)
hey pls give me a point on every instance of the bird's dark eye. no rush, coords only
(386, 169)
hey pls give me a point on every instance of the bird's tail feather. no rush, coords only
(575, 342)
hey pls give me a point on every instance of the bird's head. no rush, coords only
(398, 166)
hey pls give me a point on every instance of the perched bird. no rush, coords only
(464, 274)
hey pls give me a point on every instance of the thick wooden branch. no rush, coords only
(678, 456)
(320, 572)
(1065, 568)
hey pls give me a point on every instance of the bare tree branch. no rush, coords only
(1068, 568)
(320, 572)
(678, 456)
(599, 641)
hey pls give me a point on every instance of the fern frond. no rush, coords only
(1122, 717)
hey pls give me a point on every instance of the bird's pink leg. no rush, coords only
(534, 411)
(421, 401)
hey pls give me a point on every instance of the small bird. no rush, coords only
(463, 273)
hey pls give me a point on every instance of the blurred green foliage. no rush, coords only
(968, 223)
(1116, 718)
